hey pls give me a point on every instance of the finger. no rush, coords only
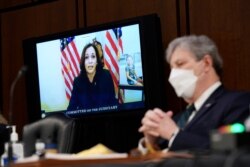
(170, 113)
(153, 133)
(148, 126)
(143, 129)
(152, 116)
(149, 123)
(159, 112)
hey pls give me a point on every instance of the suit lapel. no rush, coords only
(207, 105)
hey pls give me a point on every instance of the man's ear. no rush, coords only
(208, 62)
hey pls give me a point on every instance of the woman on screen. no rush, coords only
(93, 89)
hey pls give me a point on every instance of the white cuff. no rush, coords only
(171, 140)
(141, 148)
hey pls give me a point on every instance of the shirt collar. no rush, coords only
(205, 95)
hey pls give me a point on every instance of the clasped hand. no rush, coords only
(157, 123)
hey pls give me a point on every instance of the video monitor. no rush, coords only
(94, 70)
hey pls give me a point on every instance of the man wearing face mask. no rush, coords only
(196, 67)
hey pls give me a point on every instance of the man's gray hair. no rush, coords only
(199, 46)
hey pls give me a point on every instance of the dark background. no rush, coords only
(226, 22)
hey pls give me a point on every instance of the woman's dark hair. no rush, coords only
(99, 65)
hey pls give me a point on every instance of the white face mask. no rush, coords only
(183, 82)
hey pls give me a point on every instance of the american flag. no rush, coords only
(70, 63)
(113, 48)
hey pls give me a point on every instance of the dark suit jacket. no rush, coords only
(100, 93)
(223, 107)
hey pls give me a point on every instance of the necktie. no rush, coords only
(185, 115)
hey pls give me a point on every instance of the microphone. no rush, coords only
(20, 73)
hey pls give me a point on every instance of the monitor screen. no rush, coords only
(59, 67)
(100, 69)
